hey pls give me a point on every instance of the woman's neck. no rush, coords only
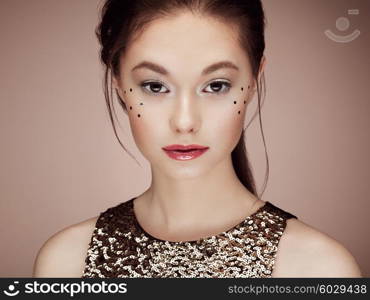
(210, 201)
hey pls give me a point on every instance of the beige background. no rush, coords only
(60, 162)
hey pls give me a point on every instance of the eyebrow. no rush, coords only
(211, 68)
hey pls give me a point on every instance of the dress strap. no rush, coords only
(274, 209)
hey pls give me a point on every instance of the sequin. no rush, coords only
(119, 247)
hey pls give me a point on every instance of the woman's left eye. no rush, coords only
(217, 86)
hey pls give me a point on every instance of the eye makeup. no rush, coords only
(244, 101)
(225, 87)
(141, 103)
(149, 83)
(224, 82)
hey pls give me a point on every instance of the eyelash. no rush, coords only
(148, 83)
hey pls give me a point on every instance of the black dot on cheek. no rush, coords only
(141, 103)
(138, 115)
(234, 102)
(248, 86)
(242, 88)
(124, 92)
(244, 101)
(239, 112)
(130, 107)
(130, 90)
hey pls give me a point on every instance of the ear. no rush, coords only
(262, 67)
(260, 72)
(117, 87)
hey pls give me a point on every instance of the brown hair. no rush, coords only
(121, 20)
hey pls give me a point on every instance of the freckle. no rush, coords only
(242, 88)
(130, 107)
(248, 86)
(141, 103)
(234, 102)
(244, 101)
(138, 115)
(239, 112)
(124, 92)
(130, 90)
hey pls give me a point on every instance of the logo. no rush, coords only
(342, 24)
(12, 290)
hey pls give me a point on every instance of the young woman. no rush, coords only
(184, 72)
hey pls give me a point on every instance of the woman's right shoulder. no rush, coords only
(63, 254)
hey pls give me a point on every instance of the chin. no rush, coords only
(181, 171)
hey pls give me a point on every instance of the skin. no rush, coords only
(183, 107)
(201, 197)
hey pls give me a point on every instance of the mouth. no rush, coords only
(184, 152)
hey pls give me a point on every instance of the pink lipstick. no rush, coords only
(184, 152)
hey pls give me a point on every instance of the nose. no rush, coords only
(185, 117)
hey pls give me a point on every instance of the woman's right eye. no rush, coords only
(154, 87)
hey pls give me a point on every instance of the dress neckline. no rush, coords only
(248, 218)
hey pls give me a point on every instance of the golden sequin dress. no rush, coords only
(120, 247)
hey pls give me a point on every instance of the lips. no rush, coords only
(184, 152)
(184, 147)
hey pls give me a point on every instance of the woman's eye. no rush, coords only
(154, 87)
(217, 86)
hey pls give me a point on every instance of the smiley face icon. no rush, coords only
(342, 24)
(12, 290)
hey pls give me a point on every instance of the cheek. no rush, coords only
(146, 135)
(142, 128)
(140, 121)
(227, 128)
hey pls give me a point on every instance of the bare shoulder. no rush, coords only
(304, 251)
(64, 253)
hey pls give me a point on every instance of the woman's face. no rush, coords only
(184, 81)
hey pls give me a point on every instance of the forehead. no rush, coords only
(184, 39)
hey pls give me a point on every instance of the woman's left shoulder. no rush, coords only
(304, 251)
